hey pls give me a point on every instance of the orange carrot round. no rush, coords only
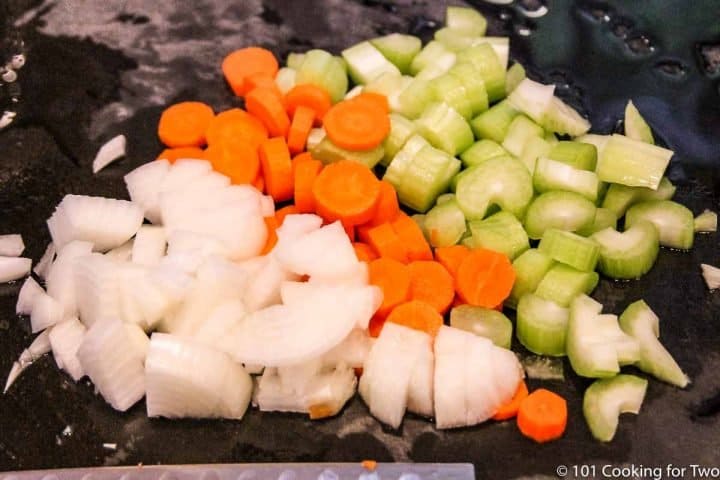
(510, 409)
(364, 252)
(302, 122)
(267, 105)
(349, 230)
(305, 173)
(236, 124)
(451, 257)
(172, 154)
(348, 191)
(237, 160)
(272, 225)
(356, 124)
(284, 212)
(542, 416)
(184, 124)
(277, 169)
(240, 64)
(378, 99)
(259, 183)
(261, 79)
(393, 278)
(383, 239)
(311, 96)
(412, 237)
(485, 278)
(418, 315)
(432, 284)
(388, 206)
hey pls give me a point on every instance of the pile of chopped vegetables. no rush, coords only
(322, 241)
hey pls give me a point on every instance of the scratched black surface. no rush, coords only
(96, 69)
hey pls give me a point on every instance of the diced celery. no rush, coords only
(562, 118)
(534, 148)
(481, 151)
(501, 46)
(571, 249)
(604, 218)
(419, 219)
(414, 98)
(562, 210)
(630, 254)
(521, 130)
(454, 181)
(445, 128)
(387, 83)
(501, 232)
(674, 222)
(449, 89)
(322, 69)
(466, 19)
(706, 222)
(327, 152)
(399, 163)
(445, 223)
(632, 163)
(399, 49)
(562, 283)
(532, 98)
(454, 39)
(426, 176)
(492, 70)
(315, 136)
(640, 322)
(431, 54)
(599, 141)
(440, 67)
(530, 268)
(484, 322)
(515, 75)
(401, 129)
(551, 138)
(542, 325)
(606, 399)
(445, 197)
(502, 181)
(285, 79)
(576, 154)
(493, 124)
(553, 175)
(596, 346)
(366, 63)
(635, 125)
(294, 60)
(474, 85)
(665, 191)
(620, 197)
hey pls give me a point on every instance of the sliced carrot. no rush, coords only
(364, 252)
(485, 278)
(300, 158)
(451, 257)
(172, 154)
(418, 315)
(241, 64)
(385, 242)
(432, 284)
(412, 237)
(184, 124)
(457, 301)
(393, 278)
(259, 183)
(542, 416)
(388, 206)
(267, 105)
(277, 169)
(302, 123)
(235, 159)
(375, 326)
(261, 80)
(510, 409)
(348, 191)
(378, 99)
(310, 96)
(305, 172)
(283, 212)
(349, 230)
(236, 124)
(272, 225)
(356, 124)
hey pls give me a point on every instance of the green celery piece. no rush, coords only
(674, 222)
(515, 75)
(426, 177)
(467, 20)
(530, 268)
(567, 211)
(324, 70)
(520, 131)
(501, 232)
(576, 154)
(486, 60)
(399, 49)
(294, 60)
(553, 175)
(365, 63)
(401, 129)
(327, 152)
(632, 163)
(562, 283)
(445, 128)
(635, 125)
(604, 218)
(484, 322)
(449, 89)
(493, 123)
(607, 398)
(534, 148)
(628, 255)
(480, 151)
(542, 325)
(571, 249)
(445, 223)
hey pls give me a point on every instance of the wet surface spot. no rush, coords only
(640, 45)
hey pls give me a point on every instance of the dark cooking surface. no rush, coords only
(110, 66)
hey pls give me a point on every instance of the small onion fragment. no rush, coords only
(13, 268)
(112, 150)
(65, 339)
(11, 245)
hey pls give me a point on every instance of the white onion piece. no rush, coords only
(358, 275)
(123, 253)
(295, 378)
(15, 372)
(60, 281)
(209, 182)
(13, 268)
(65, 339)
(217, 331)
(481, 396)
(39, 347)
(142, 185)
(46, 312)
(253, 369)
(42, 269)
(388, 369)
(352, 351)
(113, 355)
(11, 245)
(27, 296)
(143, 301)
(97, 288)
(185, 379)
(267, 206)
(149, 245)
(326, 252)
(112, 150)
(182, 174)
(172, 280)
(451, 349)
(263, 289)
(421, 387)
(106, 222)
(296, 225)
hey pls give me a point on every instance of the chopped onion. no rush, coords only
(60, 281)
(123, 253)
(711, 275)
(109, 152)
(149, 245)
(46, 312)
(11, 245)
(42, 269)
(142, 300)
(98, 288)
(352, 351)
(39, 347)
(112, 354)
(185, 379)
(13, 268)
(28, 296)
(65, 339)
(216, 330)
(263, 289)
(142, 185)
